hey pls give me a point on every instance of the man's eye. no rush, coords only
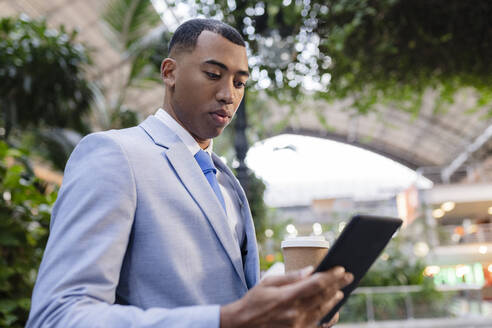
(212, 75)
(240, 84)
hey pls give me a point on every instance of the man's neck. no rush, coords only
(203, 143)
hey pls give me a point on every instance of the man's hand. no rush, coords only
(297, 300)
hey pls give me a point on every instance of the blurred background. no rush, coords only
(354, 106)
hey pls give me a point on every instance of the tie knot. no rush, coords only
(205, 162)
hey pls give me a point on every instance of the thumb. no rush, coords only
(288, 278)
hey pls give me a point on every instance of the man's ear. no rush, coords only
(168, 72)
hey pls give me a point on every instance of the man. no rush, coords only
(144, 234)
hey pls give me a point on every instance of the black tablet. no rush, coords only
(356, 249)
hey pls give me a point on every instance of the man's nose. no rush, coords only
(226, 92)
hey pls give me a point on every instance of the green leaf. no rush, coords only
(12, 176)
(8, 239)
(14, 152)
(130, 20)
(3, 149)
(24, 303)
(7, 306)
(10, 319)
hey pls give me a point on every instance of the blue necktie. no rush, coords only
(208, 168)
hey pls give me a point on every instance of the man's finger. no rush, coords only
(288, 278)
(332, 322)
(329, 304)
(319, 305)
(317, 283)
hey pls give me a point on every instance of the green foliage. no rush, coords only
(24, 220)
(130, 20)
(395, 268)
(54, 145)
(259, 210)
(374, 52)
(124, 118)
(131, 23)
(391, 51)
(41, 77)
(427, 303)
(255, 192)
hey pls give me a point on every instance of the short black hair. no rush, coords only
(187, 33)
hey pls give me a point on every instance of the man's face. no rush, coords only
(208, 85)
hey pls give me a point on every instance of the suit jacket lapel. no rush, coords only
(192, 177)
(251, 265)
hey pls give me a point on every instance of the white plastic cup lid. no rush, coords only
(308, 241)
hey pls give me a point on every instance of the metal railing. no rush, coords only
(455, 234)
(402, 303)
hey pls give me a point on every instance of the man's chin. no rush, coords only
(217, 132)
(205, 137)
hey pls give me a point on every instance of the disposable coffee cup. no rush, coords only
(300, 252)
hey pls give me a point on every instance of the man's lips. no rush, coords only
(221, 116)
(222, 112)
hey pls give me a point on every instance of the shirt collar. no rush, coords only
(181, 132)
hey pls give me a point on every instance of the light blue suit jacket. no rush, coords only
(139, 239)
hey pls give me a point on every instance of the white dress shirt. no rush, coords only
(231, 202)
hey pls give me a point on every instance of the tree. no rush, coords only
(43, 87)
(41, 74)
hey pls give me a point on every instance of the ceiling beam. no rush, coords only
(449, 170)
